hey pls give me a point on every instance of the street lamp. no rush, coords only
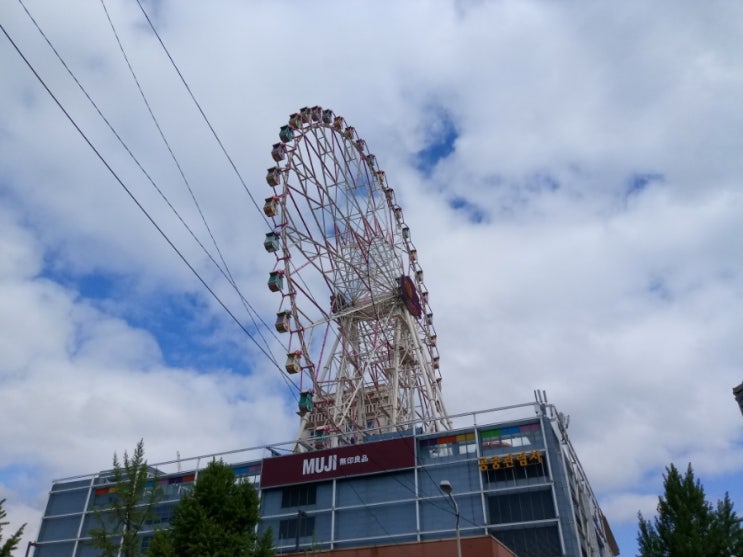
(300, 515)
(447, 489)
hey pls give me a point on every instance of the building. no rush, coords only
(481, 546)
(513, 471)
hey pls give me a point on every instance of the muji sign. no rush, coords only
(367, 458)
(317, 465)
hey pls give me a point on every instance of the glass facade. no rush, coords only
(519, 481)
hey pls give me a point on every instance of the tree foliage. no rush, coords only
(132, 498)
(687, 525)
(12, 542)
(217, 519)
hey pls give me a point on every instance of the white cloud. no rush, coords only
(624, 306)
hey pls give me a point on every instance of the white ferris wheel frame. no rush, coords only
(364, 351)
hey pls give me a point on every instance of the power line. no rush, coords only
(129, 192)
(208, 123)
(161, 193)
(201, 111)
(162, 136)
(225, 270)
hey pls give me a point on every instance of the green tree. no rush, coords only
(132, 499)
(687, 525)
(217, 519)
(12, 542)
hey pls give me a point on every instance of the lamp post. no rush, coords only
(448, 490)
(300, 515)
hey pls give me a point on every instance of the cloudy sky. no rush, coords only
(571, 174)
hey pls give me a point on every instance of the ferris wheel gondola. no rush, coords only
(353, 303)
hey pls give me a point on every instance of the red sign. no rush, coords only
(353, 460)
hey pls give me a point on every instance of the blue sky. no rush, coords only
(570, 173)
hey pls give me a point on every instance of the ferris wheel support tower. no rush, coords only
(353, 302)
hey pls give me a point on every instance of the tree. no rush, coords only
(687, 525)
(132, 499)
(12, 542)
(217, 519)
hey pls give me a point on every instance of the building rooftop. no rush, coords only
(513, 472)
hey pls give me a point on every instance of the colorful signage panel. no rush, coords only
(353, 460)
(507, 461)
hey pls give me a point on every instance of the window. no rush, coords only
(521, 507)
(513, 467)
(461, 445)
(299, 495)
(288, 527)
(250, 473)
(531, 541)
(161, 514)
(524, 437)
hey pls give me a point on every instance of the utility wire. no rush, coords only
(150, 179)
(435, 502)
(129, 192)
(203, 114)
(225, 270)
(113, 130)
(370, 510)
(162, 136)
(211, 128)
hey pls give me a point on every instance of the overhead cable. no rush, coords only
(201, 111)
(130, 193)
(224, 269)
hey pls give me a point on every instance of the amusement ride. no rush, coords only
(352, 303)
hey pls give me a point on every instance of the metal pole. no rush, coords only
(28, 547)
(459, 538)
(300, 514)
(448, 490)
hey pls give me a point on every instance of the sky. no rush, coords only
(570, 172)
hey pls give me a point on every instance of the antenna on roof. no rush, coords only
(541, 398)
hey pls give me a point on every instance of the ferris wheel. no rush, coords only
(353, 306)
